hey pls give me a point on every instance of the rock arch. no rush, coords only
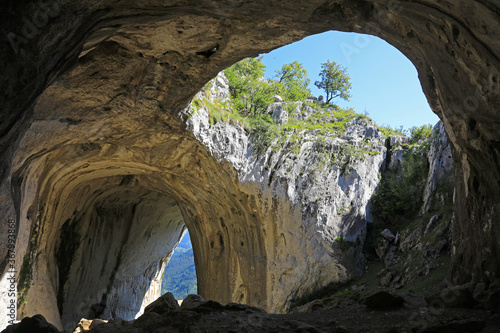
(131, 67)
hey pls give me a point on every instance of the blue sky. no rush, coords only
(384, 82)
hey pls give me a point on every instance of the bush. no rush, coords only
(388, 131)
(264, 131)
(417, 133)
(250, 91)
(399, 196)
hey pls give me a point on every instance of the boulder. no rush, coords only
(387, 234)
(192, 301)
(382, 299)
(494, 301)
(278, 99)
(35, 324)
(244, 307)
(96, 322)
(163, 304)
(463, 326)
(310, 307)
(278, 113)
(410, 241)
(83, 325)
(453, 297)
(432, 223)
(386, 279)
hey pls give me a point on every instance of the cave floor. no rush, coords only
(345, 315)
(354, 317)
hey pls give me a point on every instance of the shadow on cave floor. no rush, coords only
(344, 314)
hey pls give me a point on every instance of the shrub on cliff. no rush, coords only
(399, 196)
(251, 93)
(292, 82)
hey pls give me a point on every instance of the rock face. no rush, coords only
(439, 180)
(419, 241)
(318, 189)
(115, 74)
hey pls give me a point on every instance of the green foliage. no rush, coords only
(415, 133)
(347, 292)
(250, 92)
(242, 73)
(420, 133)
(334, 81)
(222, 112)
(388, 131)
(180, 274)
(343, 244)
(264, 132)
(321, 293)
(250, 96)
(25, 277)
(399, 196)
(26, 273)
(292, 82)
(330, 122)
(327, 121)
(430, 281)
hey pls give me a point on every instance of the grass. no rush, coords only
(423, 283)
(347, 292)
(388, 131)
(222, 112)
(327, 121)
(369, 278)
(325, 292)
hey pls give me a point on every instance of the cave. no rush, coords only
(92, 130)
(116, 224)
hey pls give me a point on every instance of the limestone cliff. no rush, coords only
(297, 172)
(414, 244)
(319, 186)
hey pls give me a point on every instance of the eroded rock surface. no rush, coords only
(319, 188)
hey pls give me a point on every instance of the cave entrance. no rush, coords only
(115, 237)
(179, 277)
(385, 87)
(114, 221)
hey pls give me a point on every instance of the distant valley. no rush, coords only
(180, 274)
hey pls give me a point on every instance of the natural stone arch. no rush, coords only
(118, 142)
(454, 46)
(96, 250)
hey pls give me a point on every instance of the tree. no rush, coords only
(334, 81)
(418, 133)
(242, 73)
(251, 92)
(292, 82)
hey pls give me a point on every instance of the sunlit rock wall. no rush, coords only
(316, 202)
